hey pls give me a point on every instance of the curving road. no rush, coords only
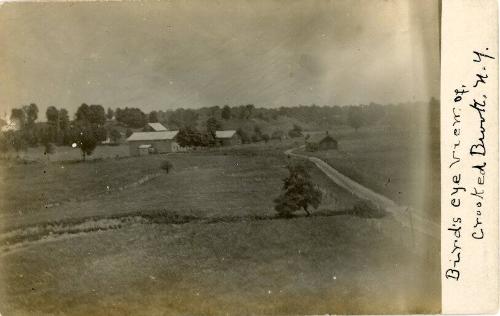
(406, 216)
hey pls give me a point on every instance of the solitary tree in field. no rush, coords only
(299, 192)
(355, 117)
(85, 139)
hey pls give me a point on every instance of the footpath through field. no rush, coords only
(405, 215)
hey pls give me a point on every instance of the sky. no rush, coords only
(164, 55)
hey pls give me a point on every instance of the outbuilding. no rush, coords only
(153, 142)
(320, 141)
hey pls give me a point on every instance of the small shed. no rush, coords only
(227, 138)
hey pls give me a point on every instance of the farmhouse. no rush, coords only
(141, 143)
(155, 127)
(227, 138)
(321, 141)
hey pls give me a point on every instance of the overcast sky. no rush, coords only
(164, 55)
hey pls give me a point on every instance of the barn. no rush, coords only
(227, 138)
(328, 142)
(153, 142)
(320, 141)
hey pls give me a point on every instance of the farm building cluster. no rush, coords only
(158, 139)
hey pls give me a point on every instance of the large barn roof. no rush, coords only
(157, 127)
(143, 136)
(224, 134)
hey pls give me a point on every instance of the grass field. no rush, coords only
(397, 164)
(68, 153)
(228, 253)
(318, 265)
(222, 183)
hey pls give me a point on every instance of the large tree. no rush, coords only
(31, 114)
(188, 136)
(132, 117)
(110, 114)
(153, 117)
(52, 114)
(355, 117)
(84, 137)
(226, 112)
(19, 116)
(115, 136)
(299, 192)
(96, 114)
(82, 113)
(212, 125)
(64, 124)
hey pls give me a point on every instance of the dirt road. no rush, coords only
(405, 215)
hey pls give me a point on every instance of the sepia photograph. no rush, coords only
(261, 157)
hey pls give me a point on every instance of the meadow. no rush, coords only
(395, 163)
(121, 236)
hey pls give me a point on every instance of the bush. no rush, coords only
(265, 138)
(166, 165)
(256, 138)
(295, 132)
(312, 146)
(368, 209)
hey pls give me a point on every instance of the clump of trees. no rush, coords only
(245, 139)
(191, 137)
(278, 135)
(299, 192)
(115, 136)
(131, 117)
(295, 132)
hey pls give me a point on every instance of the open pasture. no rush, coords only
(398, 165)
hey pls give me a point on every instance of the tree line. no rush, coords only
(196, 126)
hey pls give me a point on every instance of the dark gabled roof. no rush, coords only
(317, 137)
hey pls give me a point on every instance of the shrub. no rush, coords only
(312, 146)
(166, 165)
(295, 132)
(265, 138)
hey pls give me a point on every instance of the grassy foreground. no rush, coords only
(337, 264)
